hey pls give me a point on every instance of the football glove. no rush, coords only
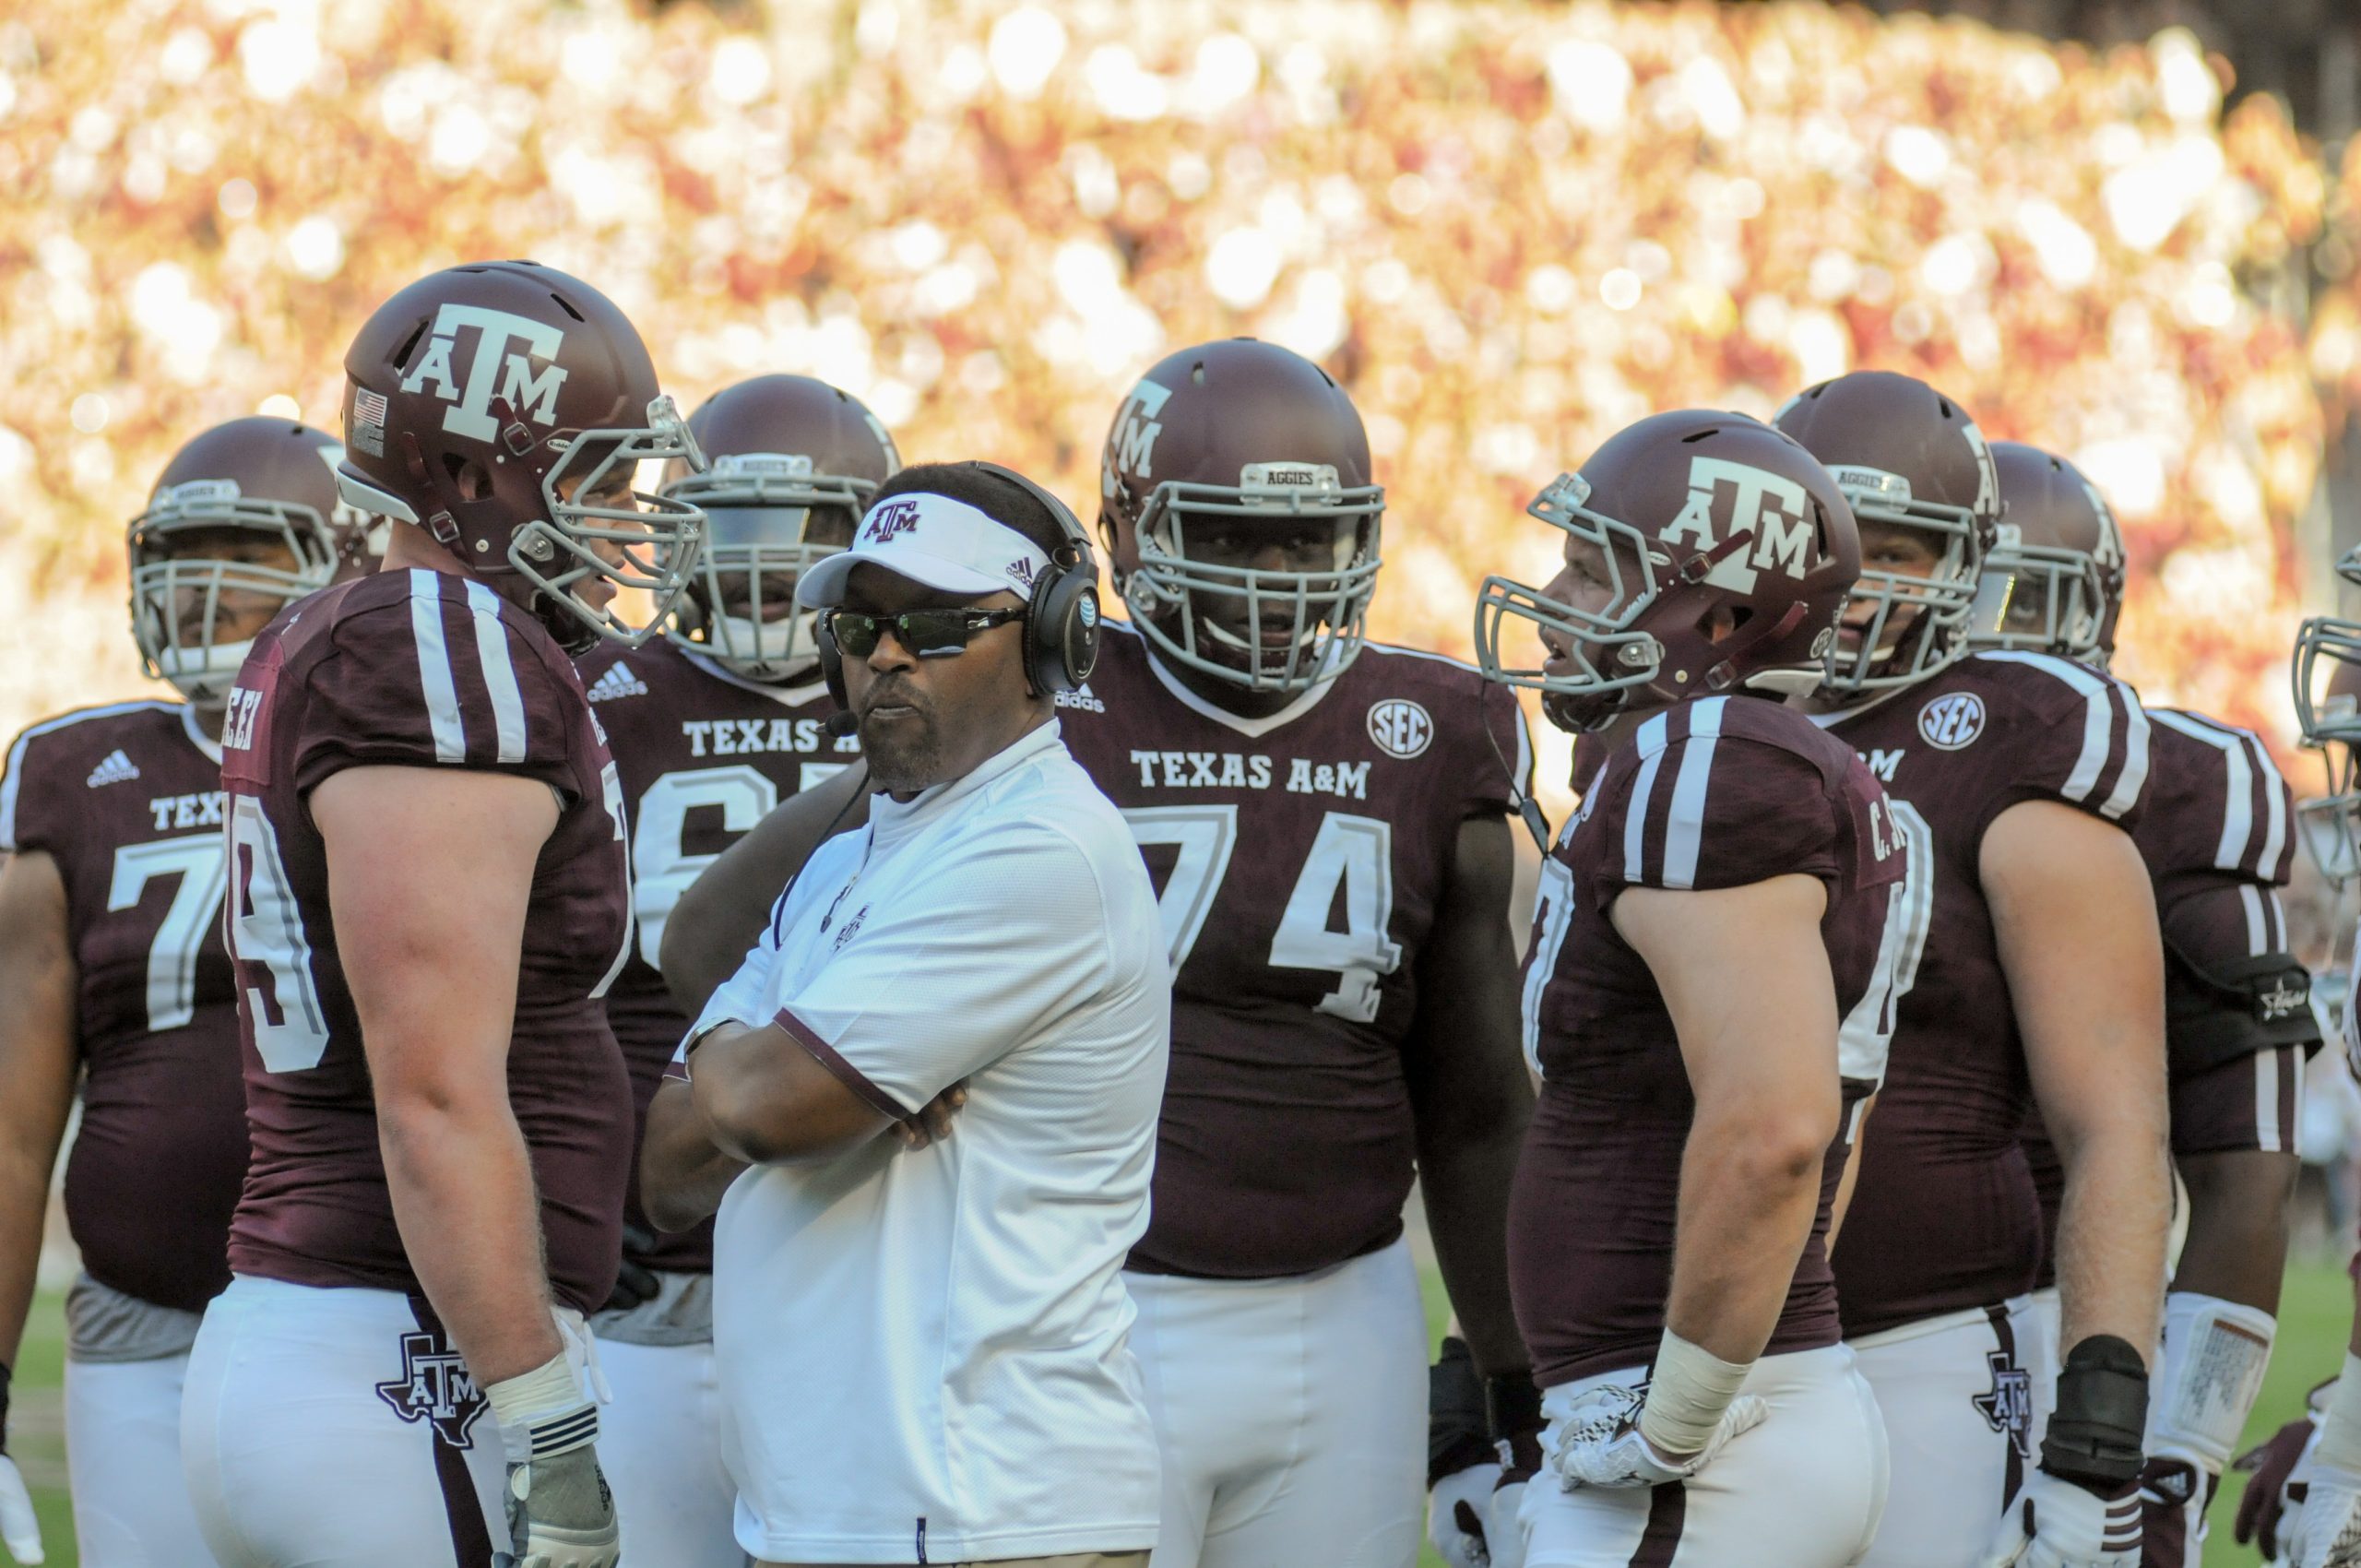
(1458, 1507)
(560, 1513)
(2327, 1529)
(2055, 1523)
(1599, 1442)
(635, 1286)
(2175, 1490)
(19, 1526)
(1482, 1446)
(2278, 1475)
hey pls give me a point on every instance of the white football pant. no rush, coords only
(1291, 1415)
(2035, 1319)
(659, 1444)
(1957, 1395)
(123, 1461)
(1804, 1490)
(327, 1429)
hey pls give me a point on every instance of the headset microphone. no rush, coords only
(842, 724)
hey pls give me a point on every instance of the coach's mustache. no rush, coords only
(894, 690)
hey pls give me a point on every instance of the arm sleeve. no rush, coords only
(442, 681)
(1713, 811)
(1008, 936)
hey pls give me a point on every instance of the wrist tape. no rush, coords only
(2101, 1416)
(2340, 1445)
(543, 1413)
(1690, 1390)
(2208, 1376)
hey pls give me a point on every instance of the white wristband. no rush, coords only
(1690, 1389)
(2340, 1445)
(2207, 1376)
(543, 1413)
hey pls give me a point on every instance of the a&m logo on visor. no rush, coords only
(890, 519)
(493, 366)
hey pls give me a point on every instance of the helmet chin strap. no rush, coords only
(1724, 675)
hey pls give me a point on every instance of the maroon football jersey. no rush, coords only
(2216, 833)
(1944, 1217)
(1716, 793)
(703, 756)
(417, 669)
(1298, 861)
(128, 800)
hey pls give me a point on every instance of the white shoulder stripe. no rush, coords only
(2238, 813)
(2275, 805)
(434, 667)
(499, 672)
(1635, 811)
(2257, 923)
(1684, 831)
(2098, 730)
(15, 777)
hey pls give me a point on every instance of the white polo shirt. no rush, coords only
(924, 1357)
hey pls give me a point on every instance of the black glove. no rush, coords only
(636, 1284)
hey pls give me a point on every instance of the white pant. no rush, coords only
(325, 1429)
(1957, 1392)
(1291, 1415)
(2036, 1318)
(1803, 1490)
(659, 1444)
(122, 1462)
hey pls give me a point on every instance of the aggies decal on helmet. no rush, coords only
(1724, 552)
(505, 408)
(1237, 506)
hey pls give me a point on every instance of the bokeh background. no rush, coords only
(2127, 231)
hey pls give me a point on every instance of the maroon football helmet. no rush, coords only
(1237, 507)
(795, 461)
(1905, 454)
(2053, 580)
(1719, 555)
(245, 516)
(504, 407)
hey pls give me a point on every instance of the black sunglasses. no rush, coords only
(928, 634)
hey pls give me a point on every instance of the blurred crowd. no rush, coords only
(1510, 228)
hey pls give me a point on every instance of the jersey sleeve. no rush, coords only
(1709, 812)
(2071, 734)
(29, 814)
(441, 679)
(1500, 763)
(917, 997)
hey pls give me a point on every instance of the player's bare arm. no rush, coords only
(2236, 1245)
(1469, 1091)
(716, 920)
(37, 1065)
(2075, 921)
(435, 982)
(1746, 979)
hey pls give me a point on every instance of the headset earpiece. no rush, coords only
(1062, 618)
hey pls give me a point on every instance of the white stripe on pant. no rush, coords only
(1804, 1490)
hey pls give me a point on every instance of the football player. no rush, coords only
(111, 953)
(2015, 776)
(710, 728)
(1716, 952)
(2321, 1524)
(2215, 835)
(1326, 821)
(428, 896)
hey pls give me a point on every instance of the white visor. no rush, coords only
(945, 544)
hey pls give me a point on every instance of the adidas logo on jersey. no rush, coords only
(116, 769)
(1082, 699)
(618, 682)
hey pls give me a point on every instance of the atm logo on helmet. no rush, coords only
(493, 368)
(1131, 443)
(1775, 511)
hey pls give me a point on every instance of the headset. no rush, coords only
(1061, 627)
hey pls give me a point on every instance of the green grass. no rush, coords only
(2313, 1318)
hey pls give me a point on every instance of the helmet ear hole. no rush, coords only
(471, 478)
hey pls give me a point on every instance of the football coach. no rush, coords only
(931, 1087)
